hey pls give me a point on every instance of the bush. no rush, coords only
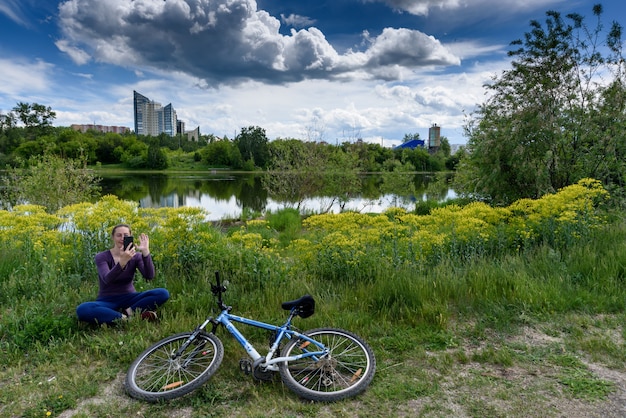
(49, 181)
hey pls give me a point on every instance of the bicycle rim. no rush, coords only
(157, 374)
(346, 371)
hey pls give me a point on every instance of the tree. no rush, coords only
(294, 169)
(303, 169)
(133, 153)
(419, 158)
(7, 121)
(445, 149)
(222, 153)
(36, 118)
(542, 127)
(410, 137)
(75, 145)
(253, 146)
(105, 148)
(156, 158)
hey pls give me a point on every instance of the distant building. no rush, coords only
(153, 119)
(193, 135)
(180, 127)
(100, 128)
(434, 141)
(434, 136)
(412, 144)
(169, 122)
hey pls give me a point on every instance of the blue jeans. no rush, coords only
(107, 309)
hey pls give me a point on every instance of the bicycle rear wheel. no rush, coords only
(347, 370)
(158, 373)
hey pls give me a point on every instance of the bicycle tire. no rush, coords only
(346, 372)
(155, 376)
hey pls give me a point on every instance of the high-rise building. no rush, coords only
(169, 120)
(140, 102)
(153, 119)
(180, 127)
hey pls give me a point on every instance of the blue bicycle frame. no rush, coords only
(226, 319)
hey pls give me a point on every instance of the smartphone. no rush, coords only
(128, 240)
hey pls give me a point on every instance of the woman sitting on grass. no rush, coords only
(117, 298)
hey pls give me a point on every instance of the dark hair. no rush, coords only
(121, 226)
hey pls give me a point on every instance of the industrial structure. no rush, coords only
(434, 141)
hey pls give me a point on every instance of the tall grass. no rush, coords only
(399, 280)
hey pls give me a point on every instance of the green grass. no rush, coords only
(530, 334)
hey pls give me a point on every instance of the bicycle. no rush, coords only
(322, 364)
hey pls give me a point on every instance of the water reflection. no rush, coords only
(226, 195)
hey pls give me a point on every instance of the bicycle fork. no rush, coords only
(192, 337)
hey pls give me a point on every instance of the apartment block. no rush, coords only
(151, 118)
(100, 128)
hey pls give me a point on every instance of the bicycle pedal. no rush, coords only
(356, 375)
(245, 365)
(172, 385)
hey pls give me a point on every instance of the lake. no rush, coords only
(227, 195)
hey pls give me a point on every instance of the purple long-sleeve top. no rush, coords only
(114, 280)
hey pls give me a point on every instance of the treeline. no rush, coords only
(27, 132)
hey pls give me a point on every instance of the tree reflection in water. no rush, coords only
(228, 194)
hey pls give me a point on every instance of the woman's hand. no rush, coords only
(126, 255)
(144, 245)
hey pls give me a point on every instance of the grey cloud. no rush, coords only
(229, 41)
(297, 21)
(408, 48)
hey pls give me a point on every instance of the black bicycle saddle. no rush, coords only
(305, 306)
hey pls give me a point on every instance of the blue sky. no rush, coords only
(335, 70)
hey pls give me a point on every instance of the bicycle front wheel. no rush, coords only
(346, 371)
(162, 372)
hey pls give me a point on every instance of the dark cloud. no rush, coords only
(228, 41)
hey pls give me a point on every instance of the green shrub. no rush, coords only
(50, 181)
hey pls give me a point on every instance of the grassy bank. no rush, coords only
(502, 319)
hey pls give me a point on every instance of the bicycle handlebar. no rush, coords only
(218, 289)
